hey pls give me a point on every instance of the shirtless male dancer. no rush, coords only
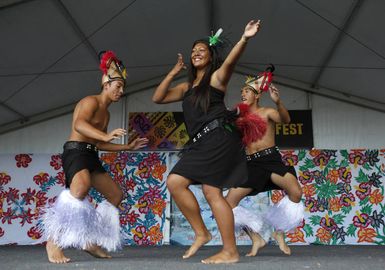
(266, 171)
(72, 221)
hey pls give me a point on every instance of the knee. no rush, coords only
(211, 193)
(232, 204)
(173, 184)
(231, 200)
(117, 198)
(79, 192)
(296, 195)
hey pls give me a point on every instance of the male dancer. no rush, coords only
(266, 171)
(72, 221)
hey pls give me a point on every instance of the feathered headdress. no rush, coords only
(112, 68)
(214, 39)
(262, 81)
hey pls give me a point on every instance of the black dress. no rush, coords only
(218, 157)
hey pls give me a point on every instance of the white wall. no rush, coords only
(336, 125)
(48, 136)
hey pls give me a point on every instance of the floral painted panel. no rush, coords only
(30, 181)
(343, 192)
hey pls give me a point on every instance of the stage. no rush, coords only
(169, 257)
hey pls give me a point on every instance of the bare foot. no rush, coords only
(223, 257)
(55, 254)
(200, 240)
(258, 243)
(281, 242)
(98, 252)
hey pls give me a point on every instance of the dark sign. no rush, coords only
(298, 133)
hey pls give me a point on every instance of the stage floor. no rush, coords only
(169, 257)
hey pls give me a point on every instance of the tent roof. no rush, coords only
(49, 48)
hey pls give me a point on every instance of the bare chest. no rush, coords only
(100, 119)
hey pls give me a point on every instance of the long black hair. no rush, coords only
(201, 95)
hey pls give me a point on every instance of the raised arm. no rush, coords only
(281, 115)
(222, 76)
(165, 94)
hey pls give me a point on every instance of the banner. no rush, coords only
(298, 134)
(165, 130)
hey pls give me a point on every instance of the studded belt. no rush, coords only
(262, 153)
(83, 146)
(209, 127)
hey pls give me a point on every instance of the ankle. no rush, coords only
(203, 233)
(230, 250)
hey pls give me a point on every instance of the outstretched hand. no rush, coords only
(252, 28)
(138, 143)
(178, 66)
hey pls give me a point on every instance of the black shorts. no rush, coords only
(260, 168)
(78, 156)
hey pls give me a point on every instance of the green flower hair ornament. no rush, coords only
(214, 39)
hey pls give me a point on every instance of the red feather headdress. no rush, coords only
(112, 68)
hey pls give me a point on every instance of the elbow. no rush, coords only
(156, 99)
(80, 126)
(77, 127)
(287, 120)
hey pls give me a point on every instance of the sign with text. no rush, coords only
(298, 133)
(167, 131)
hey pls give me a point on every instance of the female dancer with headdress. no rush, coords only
(215, 158)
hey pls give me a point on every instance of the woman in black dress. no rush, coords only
(215, 158)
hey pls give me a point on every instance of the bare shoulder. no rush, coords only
(184, 86)
(89, 101)
(266, 110)
(216, 83)
(270, 110)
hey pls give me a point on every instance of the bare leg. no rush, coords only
(103, 183)
(55, 254)
(235, 195)
(188, 205)
(80, 185)
(225, 221)
(279, 236)
(290, 184)
(258, 243)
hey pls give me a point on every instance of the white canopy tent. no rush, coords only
(329, 56)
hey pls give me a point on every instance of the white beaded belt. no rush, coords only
(209, 127)
(80, 146)
(262, 153)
